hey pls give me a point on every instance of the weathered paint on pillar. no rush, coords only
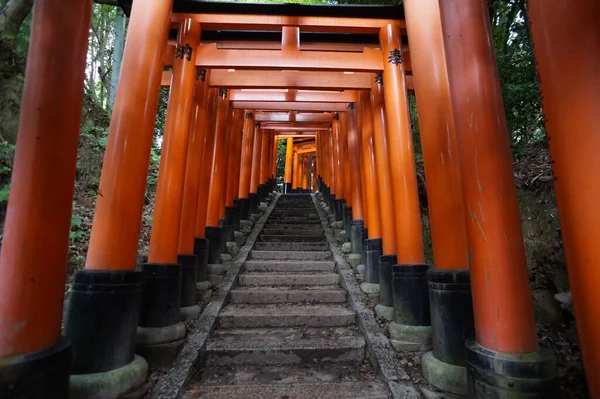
(502, 303)
(371, 188)
(207, 161)
(409, 236)
(247, 146)
(256, 152)
(382, 163)
(115, 233)
(164, 238)
(216, 186)
(235, 148)
(193, 167)
(567, 51)
(353, 161)
(438, 137)
(289, 159)
(38, 217)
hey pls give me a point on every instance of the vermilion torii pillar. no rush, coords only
(164, 238)
(264, 164)
(113, 245)
(246, 166)
(233, 174)
(451, 305)
(567, 52)
(188, 242)
(387, 247)
(255, 169)
(371, 190)
(214, 232)
(289, 159)
(345, 174)
(503, 310)
(353, 160)
(305, 172)
(39, 209)
(336, 137)
(207, 160)
(295, 172)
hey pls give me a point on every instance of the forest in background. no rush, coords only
(516, 66)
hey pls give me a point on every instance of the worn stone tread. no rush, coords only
(323, 390)
(290, 255)
(288, 279)
(285, 346)
(278, 315)
(291, 246)
(289, 266)
(266, 295)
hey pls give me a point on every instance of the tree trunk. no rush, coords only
(117, 56)
(12, 15)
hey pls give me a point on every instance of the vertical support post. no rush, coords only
(388, 218)
(226, 207)
(371, 189)
(353, 160)
(337, 168)
(264, 164)
(189, 244)
(332, 166)
(169, 190)
(503, 309)
(409, 240)
(295, 172)
(255, 175)
(305, 172)
(207, 161)
(289, 159)
(449, 282)
(246, 166)
(233, 172)
(214, 231)
(315, 173)
(36, 232)
(345, 175)
(274, 157)
(567, 52)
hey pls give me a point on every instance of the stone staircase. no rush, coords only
(286, 331)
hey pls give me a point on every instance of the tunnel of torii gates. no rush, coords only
(243, 76)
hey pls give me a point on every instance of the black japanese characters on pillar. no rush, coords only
(183, 51)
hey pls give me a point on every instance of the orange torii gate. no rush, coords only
(217, 166)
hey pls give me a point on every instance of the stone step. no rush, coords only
(292, 238)
(287, 279)
(301, 390)
(267, 295)
(288, 266)
(294, 212)
(291, 246)
(290, 255)
(298, 231)
(262, 346)
(291, 221)
(276, 315)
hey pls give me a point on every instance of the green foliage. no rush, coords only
(281, 149)
(4, 194)
(77, 234)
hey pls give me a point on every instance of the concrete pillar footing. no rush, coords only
(160, 345)
(109, 384)
(447, 377)
(384, 311)
(188, 313)
(410, 338)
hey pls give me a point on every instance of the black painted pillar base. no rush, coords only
(339, 209)
(230, 217)
(347, 219)
(189, 278)
(43, 374)
(201, 252)
(261, 193)
(213, 234)
(161, 295)
(371, 260)
(386, 289)
(356, 236)
(102, 318)
(492, 374)
(244, 208)
(451, 313)
(411, 295)
(365, 237)
(224, 235)
(237, 205)
(253, 203)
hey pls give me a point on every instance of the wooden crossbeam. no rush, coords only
(295, 129)
(271, 22)
(293, 117)
(288, 80)
(290, 106)
(294, 95)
